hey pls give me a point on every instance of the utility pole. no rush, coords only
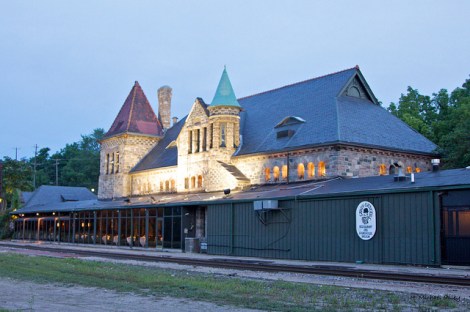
(57, 172)
(16, 153)
(34, 171)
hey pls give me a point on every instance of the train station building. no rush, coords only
(315, 170)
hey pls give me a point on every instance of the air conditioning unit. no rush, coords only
(265, 205)
(258, 205)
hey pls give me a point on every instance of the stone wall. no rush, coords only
(131, 149)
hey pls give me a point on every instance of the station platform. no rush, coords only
(444, 271)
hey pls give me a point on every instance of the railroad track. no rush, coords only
(263, 265)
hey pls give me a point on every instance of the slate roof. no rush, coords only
(445, 179)
(136, 116)
(224, 95)
(325, 117)
(329, 118)
(162, 155)
(47, 195)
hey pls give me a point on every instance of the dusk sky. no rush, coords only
(66, 67)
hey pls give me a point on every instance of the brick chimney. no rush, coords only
(164, 106)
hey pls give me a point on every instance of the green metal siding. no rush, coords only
(325, 230)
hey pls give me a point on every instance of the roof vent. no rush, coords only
(401, 173)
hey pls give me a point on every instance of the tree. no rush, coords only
(444, 119)
(454, 128)
(80, 161)
(16, 176)
(417, 110)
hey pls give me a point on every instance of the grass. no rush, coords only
(255, 294)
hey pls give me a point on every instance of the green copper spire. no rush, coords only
(224, 96)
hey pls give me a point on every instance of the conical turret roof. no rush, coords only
(224, 95)
(136, 116)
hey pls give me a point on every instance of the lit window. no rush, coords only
(321, 169)
(199, 181)
(267, 174)
(301, 171)
(161, 186)
(276, 173)
(173, 185)
(382, 169)
(311, 169)
(284, 172)
(409, 169)
(193, 182)
(167, 186)
(417, 169)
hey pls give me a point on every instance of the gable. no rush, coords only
(198, 114)
(357, 87)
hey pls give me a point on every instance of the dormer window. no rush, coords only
(290, 120)
(287, 126)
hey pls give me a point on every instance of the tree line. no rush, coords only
(443, 118)
(77, 164)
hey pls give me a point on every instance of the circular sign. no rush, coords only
(365, 220)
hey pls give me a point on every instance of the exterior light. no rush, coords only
(53, 213)
(93, 190)
(37, 213)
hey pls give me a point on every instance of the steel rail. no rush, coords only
(265, 266)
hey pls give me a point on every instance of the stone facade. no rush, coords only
(118, 156)
(207, 159)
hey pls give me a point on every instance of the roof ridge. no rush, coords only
(131, 109)
(300, 82)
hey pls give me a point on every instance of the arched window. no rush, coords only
(199, 181)
(267, 174)
(193, 182)
(167, 186)
(161, 186)
(321, 169)
(173, 185)
(276, 173)
(284, 172)
(301, 171)
(186, 183)
(382, 169)
(409, 169)
(417, 169)
(311, 169)
(391, 169)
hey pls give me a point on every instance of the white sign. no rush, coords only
(365, 220)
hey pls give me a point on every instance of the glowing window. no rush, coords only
(267, 174)
(161, 186)
(193, 182)
(199, 181)
(301, 171)
(321, 169)
(167, 186)
(409, 169)
(382, 169)
(276, 173)
(173, 185)
(284, 172)
(311, 169)
(417, 169)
